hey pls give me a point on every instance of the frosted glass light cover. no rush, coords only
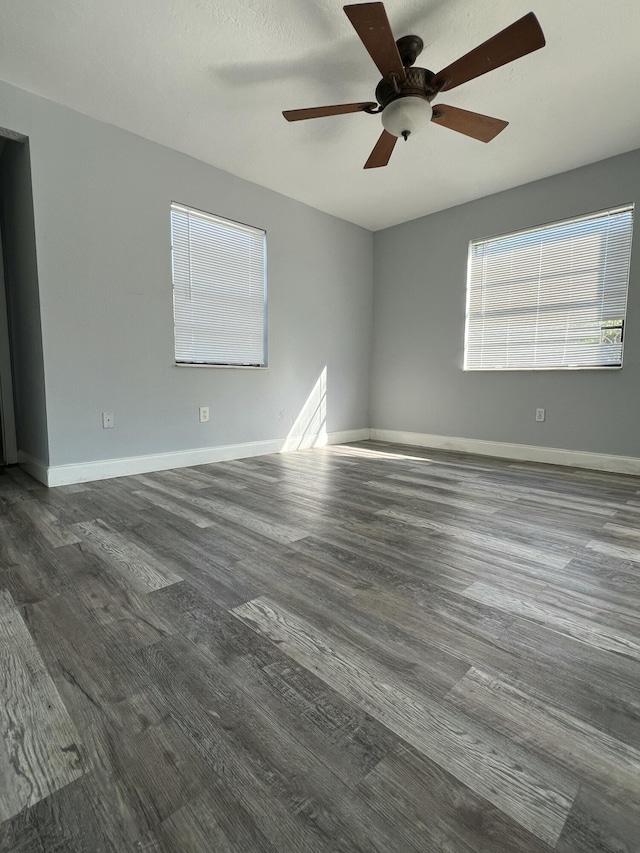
(410, 114)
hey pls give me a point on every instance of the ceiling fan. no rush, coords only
(405, 93)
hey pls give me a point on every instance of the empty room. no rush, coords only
(319, 427)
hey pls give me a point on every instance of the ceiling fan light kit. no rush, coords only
(405, 92)
(406, 116)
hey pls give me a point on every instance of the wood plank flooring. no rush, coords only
(365, 648)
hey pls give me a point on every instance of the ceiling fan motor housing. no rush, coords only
(418, 82)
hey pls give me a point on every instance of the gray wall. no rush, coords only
(418, 384)
(101, 204)
(21, 281)
(101, 201)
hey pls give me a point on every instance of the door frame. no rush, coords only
(7, 413)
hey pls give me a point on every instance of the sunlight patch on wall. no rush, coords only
(310, 427)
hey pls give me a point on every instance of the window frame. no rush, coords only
(621, 208)
(222, 220)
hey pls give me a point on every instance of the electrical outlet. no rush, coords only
(540, 415)
(107, 420)
(204, 414)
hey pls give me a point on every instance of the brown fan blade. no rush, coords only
(372, 25)
(382, 151)
(484, 128)
(515, 41)
(319, 112)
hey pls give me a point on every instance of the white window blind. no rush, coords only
(550, 297)
(219, 290)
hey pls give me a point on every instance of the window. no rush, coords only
(550, 297)
(219, 290)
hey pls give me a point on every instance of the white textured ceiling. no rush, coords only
(211, 77)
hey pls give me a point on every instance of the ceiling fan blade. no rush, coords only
(484, 128)
(382, 151)
(521, 38)
(320, 112)
(372, 25)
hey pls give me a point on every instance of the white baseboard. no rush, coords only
(304, 442)
(346, 436)
(36, 467)
(521, 452)
(83, 472)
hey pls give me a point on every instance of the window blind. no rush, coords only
(550, 297)
(219, 289)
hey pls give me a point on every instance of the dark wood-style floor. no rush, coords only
(362, 648)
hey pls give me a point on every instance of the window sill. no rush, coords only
(225, 366)
(538, 369)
